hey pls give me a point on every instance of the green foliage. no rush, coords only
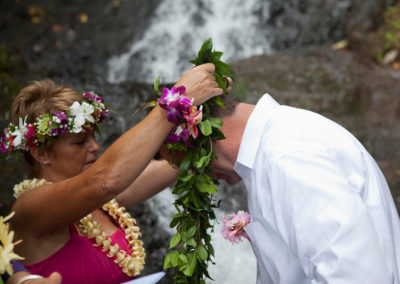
(391, 37)
(191, 248)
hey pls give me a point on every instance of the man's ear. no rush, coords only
(40, 155)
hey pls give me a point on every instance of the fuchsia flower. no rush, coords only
(181, 113)
(3, 147)
(233, 230)
(92, 96)
(175, 103)
(30, 135)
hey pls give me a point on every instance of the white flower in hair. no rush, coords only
(82, 112)
(19, 132)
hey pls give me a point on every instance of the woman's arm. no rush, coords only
(158, 175)
(59, 204)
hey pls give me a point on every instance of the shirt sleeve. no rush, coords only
(323, 218)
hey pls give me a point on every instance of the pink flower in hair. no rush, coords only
(233, 230)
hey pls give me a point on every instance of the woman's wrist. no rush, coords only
(25, 279)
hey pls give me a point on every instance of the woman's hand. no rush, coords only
(54, 278)
(200, 83)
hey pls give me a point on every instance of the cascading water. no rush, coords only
(177, 31)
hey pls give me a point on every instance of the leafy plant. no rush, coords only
(190, 248)
(392, 30)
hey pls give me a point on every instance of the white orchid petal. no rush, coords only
(87, 108)
(75, 109)
(79, 120)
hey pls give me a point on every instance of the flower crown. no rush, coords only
(29, 133)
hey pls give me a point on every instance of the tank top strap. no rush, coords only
(73, 230)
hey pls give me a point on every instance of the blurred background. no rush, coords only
(339, 58)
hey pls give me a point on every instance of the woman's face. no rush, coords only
(71, 154)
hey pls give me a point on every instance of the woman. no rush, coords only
(60, 216)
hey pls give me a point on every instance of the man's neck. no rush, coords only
(234, 127)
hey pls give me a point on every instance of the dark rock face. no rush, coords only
(296, 23)
(70, 40)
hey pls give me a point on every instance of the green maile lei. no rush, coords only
(190, 248)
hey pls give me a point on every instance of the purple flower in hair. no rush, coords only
(93, 97)
(59, 123)
(3, 148)
(62, 116)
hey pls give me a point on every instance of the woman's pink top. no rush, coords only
(78, 261)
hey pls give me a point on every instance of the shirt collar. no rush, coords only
(253, 131)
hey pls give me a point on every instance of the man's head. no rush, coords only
(234, 118)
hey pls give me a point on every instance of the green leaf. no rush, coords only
(217, 134)
(216, 55)
(167, 262)
(174, 257)
(202, 162)
(204, 187)
(205, 127)
(190, 232)
(205, 52)
(211, 250)
(220, 81)
(175, 220)
(218, 101)
(186, 178)
(223, 69)
(215, 122)
(157, 86)
(202, 253)
(192, 265)
(191, 242)
(175, 240)
(182, 260)
(185, 164)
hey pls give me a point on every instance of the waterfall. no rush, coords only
(177, 31)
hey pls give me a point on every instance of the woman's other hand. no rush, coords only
(54, 278)
(200, 83)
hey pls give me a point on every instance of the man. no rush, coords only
(321, 210)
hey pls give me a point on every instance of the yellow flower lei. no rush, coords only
(7, 246)
(131, 264)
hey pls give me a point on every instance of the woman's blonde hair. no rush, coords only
(38, 98)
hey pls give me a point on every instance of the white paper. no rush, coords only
(148, 279)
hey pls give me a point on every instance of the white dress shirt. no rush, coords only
(321, 210)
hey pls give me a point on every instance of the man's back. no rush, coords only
(321, 191)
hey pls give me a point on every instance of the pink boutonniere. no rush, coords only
(233, 229)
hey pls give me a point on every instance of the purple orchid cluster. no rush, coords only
(182, 113)
(62, 121)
